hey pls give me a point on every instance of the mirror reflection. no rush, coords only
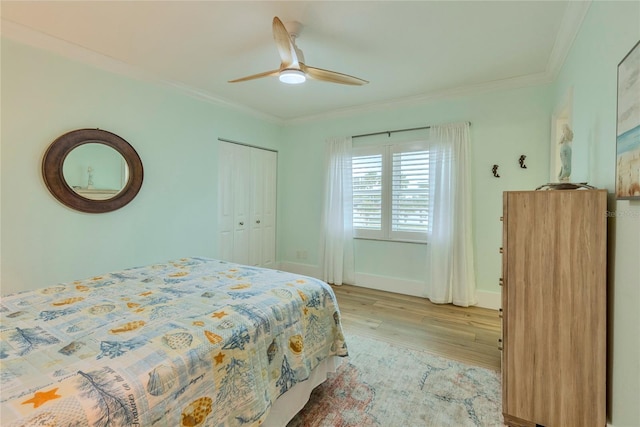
(95, 171)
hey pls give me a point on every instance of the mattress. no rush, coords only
(192, 342)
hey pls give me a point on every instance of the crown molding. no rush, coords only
(33, 38)
(460, 91)
(571, 23)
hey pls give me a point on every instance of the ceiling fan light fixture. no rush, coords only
(292, 77)
(292, 69)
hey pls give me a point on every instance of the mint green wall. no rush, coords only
(608, 32)
(174, 215)
(505, 124)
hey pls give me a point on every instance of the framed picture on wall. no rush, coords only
(628, 127)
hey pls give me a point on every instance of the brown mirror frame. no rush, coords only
(57, 185)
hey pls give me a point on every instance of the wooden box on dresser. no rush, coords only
(554, 308)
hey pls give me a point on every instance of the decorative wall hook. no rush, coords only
(494, 170)
(521, 161)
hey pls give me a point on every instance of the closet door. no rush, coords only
(226, 190)
(266, 219)
(247, 201)
(241, 204)
(263, 203)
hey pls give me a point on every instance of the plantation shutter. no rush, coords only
(410, 192)
(367, 192)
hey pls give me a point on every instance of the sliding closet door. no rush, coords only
(247, 201)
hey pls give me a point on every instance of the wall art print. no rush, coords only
(628, 127)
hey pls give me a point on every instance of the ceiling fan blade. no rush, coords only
(331, 76)
(256, 76)
(286, 48)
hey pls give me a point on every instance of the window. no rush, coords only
(391, 192)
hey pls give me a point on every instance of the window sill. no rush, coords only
(418, 242)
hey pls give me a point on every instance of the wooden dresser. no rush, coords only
(554, 299)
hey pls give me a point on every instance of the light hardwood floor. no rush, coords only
(467, 334)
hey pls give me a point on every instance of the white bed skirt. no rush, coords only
(290, 403)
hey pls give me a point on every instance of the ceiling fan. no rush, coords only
(292, 69)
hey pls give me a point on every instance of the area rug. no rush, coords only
(386, 385)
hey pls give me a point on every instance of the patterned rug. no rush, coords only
(385, 385)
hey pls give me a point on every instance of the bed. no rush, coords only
(193, 342)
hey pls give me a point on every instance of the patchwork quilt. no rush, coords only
(194, 342)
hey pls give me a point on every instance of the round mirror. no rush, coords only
(92, 170)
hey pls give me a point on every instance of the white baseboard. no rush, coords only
(304, 269)
(390, 284)
(486, 299)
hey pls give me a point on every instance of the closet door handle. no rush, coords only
(241, 223)
(258, 222)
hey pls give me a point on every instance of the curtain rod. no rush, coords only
(245, 144)
(389, 132)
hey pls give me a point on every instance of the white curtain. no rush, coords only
(451, 275)
(337, 247)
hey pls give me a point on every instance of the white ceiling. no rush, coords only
(407, 50)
